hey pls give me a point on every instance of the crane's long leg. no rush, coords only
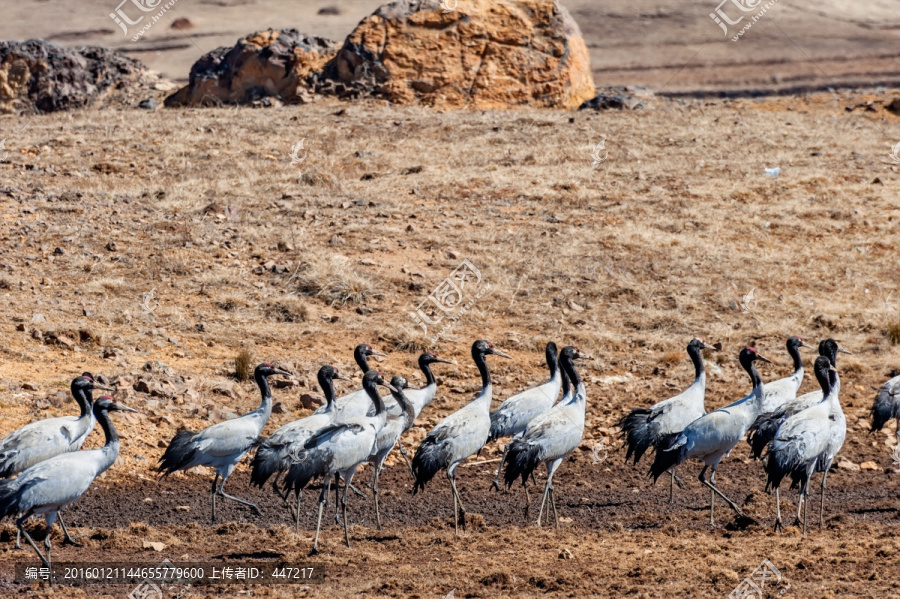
(543, 500)
(822, 504)
(221, 492)
(375, 492)
(284, 496)
(778, 524)
(457, 500)
(672, 486)
(298, 492)
(711, 483)
(67, 539)
(214, 486)
(496, 483)
(348, 479)
(323, 499)
(19, 525)
(805, 505)
(527, 499)
(405, 458)
(551, 470)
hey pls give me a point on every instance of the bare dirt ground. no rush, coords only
(667, 46)
(185, 236)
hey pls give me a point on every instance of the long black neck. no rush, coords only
(569, 368)
(426, 370)
(409, 414)
(328, 389)
(109, 429)
(831, 352)
(83, 398)
(478, 357)
(823, 377)
(566, 387)
(794, 351)
(750, 367)
(264, 388)
(359, 354)
(372, 391)
(697, 359)
(552, 362)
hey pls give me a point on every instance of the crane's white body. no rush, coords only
(559, 430)
(780, 392)
(59, 481)
(515, 413)
(45, 439)
(221, 446)
(465, 431)
(712, 436)
(674, 414)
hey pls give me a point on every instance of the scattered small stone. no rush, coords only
(566, 553)
(311, 401)
(154, 545)
(29, 387)
(869, 466)
(148, 104)
(183, 508)
(279, 408)
(844, 464)
(329, 11)
(181, 24)
(38, 318)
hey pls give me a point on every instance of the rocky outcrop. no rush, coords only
(477, 53)
(40, 76)
(266, 64)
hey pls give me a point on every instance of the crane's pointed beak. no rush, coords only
(832, 368)
(760, 357)
(806, 345)
(99, 386)
(123, 408)
(443, 361)
(841, 350)
(378, 353)
(283, 372)
(581, 356)
(497, 352)
(712, 347)
(391, 387)
(343, 377)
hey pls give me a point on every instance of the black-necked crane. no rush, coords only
(643, 428)
(550, 436)
(805, 440)
(514, 414)
(221, 446)
(458, 436)
(44, 439)
(766, 425)
(338, 449)
(275, 454)
(712, 436)
(49, 486)
(357, 402)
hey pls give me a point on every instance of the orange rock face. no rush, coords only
(265, 64)
(469, 53)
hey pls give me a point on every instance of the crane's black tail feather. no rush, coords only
(780, 463)
(267, 461)
(883, 410)
(762, 431)
(9, 497)
(179, 452)
(638, 432)
(668, 455)
(521, 460)
(430, 458)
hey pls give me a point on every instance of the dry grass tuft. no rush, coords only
(288, 310)
(893, 333)
(333, 279)
(243, 365)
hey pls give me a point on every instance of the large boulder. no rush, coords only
(40, 76)
(480, 54)
(266, 64)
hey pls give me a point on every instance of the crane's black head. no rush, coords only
(373, 378)
(571, 352)
(108, 404)
(430, 358)
(551, 348)
(698, 344)
(796, 343)
(331, 373)
(749, 355)
(484, 348)
(86, 382)
(821, 368)
(365, 349)
(399, 383)
(830, 349)
(266, 370)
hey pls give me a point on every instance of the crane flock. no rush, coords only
(43, 469)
